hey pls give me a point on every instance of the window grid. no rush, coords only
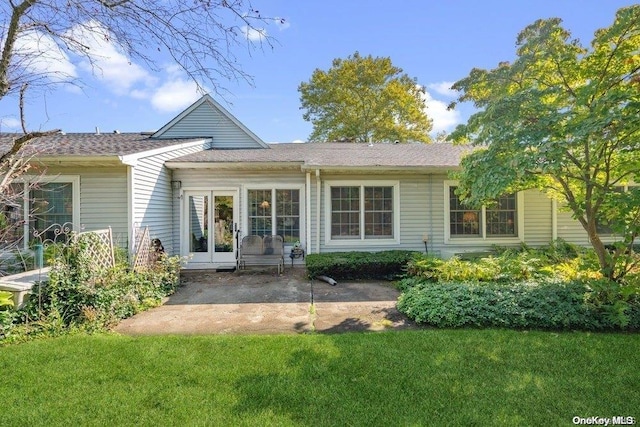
(345, 212)
(260, 204)
(51, 203)
(378, 212)
(501, 218)
(462, 222)
(288, 215)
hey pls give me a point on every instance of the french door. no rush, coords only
(210, 223)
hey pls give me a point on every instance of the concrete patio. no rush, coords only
(263, 302)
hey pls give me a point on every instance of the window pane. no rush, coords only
(11, 215)
(51, 203)
(378, 212)
(260, 205)
(463, 222)
(288, 215)
(501, 218)
(345, 212)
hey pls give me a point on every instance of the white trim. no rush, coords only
(74, 180)
(130, 207)
(318, 209)
(273, 187)
(362, 241)
(132, 159)
(482, 239)
(308, 211)
(207, 98)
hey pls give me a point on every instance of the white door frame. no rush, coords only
(210, 258)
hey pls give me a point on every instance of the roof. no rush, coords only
(336, 155)
(90, 145)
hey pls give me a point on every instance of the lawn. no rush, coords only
(427, 377)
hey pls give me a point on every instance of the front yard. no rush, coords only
(428, 377)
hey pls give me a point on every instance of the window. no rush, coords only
(501, 217)
(283, 219)
(462, 222)
(362, 212)
(51, 203)
(11, 214)
(499, 220)
(603, 226)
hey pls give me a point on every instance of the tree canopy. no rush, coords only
(564, 119)
(361, 98)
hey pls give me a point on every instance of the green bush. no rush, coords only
(536, 305)
(78, 296)
(385, 265)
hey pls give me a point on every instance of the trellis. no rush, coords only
(143, 257)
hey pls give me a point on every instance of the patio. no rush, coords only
(259, 301)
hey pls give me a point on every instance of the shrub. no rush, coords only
(544, 305)
(78, 296)
(359, 265)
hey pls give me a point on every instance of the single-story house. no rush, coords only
(204, 176)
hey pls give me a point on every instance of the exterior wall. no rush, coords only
(207, 179)
(206, 121)
(153, 197)
(103, 198)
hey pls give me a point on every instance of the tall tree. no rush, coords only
(564, 119)
(362, 98)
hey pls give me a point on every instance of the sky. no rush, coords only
(435, 42)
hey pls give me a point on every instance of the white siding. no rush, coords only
(571, 230)
(207, 121)
(206, 179)
(537, 218)
(153, 196)
(103, 198)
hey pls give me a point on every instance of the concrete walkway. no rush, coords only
(263, 302)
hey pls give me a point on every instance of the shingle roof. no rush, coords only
(348, 155)
(88, 144)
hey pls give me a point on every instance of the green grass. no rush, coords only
(428, 377)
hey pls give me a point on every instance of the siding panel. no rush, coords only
(206, 121)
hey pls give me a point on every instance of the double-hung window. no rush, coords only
(362, 211)
(501, 220)
(274, 211)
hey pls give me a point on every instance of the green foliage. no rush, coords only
(564, 119)
(363, 97)
(359, 265)
(530, 305)
(78, 296)
(556, 287)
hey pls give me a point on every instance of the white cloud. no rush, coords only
(10, 123)
(443, 88)
(254, 34)
(39, 53)
(175, 95)
(108, 63)
(443, 119)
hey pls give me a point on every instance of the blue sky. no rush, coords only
(436, 42)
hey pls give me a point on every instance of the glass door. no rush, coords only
(210, 218)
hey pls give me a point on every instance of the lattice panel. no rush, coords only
(100, 249)
(143, 256)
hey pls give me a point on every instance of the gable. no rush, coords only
(206, 118)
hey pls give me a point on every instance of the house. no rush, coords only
(204, 177)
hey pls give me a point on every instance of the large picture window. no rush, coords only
(499, 220)
(274, 211)
(360, 212)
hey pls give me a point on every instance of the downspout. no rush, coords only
(554, 220)
(130, 208)
(318, 206)
(308, 213)
(430, 241)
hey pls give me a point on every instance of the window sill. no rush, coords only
(475, 241)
